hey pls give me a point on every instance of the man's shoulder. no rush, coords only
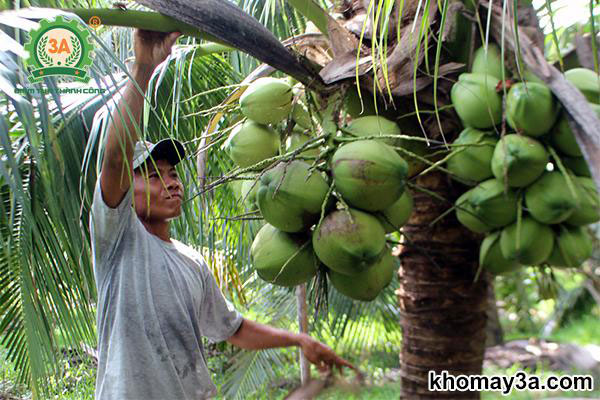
(189, 251)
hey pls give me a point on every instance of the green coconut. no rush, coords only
(290, 196)
(487, 206)
(587, 81)
(366, 285)
(562, 137)
(298, 138)
(349, 241)
(519, 159)
(369, 175)
(529, 245)
(588, 210)
(471, 155)
(491, 258)
(282, 258)
(396, 215)
(488, 60)
(531, 108)
(251, 143)
(549, 200)
(578, 165)
(267, 100)
(374, 125)
(572, 246)
(476, 101)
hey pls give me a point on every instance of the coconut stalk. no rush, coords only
(147, 20)
(303, 327)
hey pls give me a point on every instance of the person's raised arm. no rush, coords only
(151, 48)
(254, 336)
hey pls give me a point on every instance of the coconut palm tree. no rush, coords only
(403, 56)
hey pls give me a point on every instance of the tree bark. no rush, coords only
(443, 308)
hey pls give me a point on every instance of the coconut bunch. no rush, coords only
(532, 195)
(328, 191)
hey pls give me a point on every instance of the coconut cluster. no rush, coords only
(532, 194)
(331, 204)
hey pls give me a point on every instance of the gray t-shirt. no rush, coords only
(155, 302)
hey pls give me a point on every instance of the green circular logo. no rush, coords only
(59, 47)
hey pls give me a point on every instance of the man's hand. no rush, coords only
(254, 336)
(152, 48)
(321, 355)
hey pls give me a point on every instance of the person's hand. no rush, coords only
(321, 355)
(152, 48)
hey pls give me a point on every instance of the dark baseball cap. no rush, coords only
(167, 149)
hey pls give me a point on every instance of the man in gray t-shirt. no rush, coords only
(156, 296)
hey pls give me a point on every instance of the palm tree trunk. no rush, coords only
(443, 309)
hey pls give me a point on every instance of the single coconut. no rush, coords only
(476, 101)
(529, 243)
(531, 108)
(488, 60)
(374, 125)
(471, 155)
(267, 100)
(519, 159)
(290, 196)
(587, 81)
(572, 246)
(588, 210)
(487, 206)
(369, 175)
(349, 241)
(549, 200)
(251, 143)
(366, 285)
(396, 215)
(562, 137)
(491, 258)
(282, 258)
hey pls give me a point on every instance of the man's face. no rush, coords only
(158, 192)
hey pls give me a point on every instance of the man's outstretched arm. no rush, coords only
(151, 48)
(254, 336)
